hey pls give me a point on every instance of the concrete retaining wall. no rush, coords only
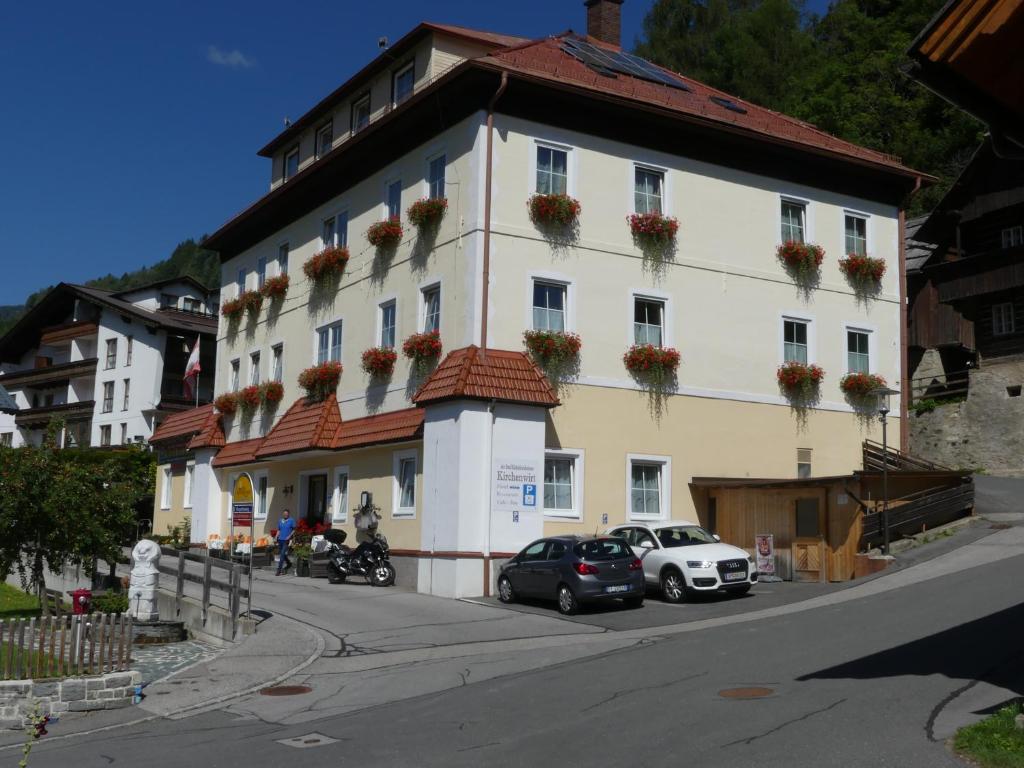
(19, 698)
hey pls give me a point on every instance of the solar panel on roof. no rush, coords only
(607, 62)
(728, 104)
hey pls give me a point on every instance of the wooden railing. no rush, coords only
(917, 511)
(876, 458)
(232, 587)
(955, 384)
(59, 646)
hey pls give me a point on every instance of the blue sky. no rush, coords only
(130, 126)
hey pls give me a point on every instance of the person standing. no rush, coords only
(285, 530)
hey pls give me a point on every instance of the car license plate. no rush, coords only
(618, 588)
(738, 576)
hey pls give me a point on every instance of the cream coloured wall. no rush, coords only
(176, 513)
(369, 280)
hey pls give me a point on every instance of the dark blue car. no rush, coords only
(574, 570)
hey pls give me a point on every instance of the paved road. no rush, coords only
(874, 675)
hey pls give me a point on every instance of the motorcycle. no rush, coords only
(369, 559)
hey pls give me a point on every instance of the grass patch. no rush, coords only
(995, 742)
(15, 604)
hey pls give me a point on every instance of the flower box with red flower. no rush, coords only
(860, 386)
(863, 269)
(385, 234)
(802, 258)
(554, 210)
(422, 347)
(649, 361)
(272, 392)
(327, 264)
(553, 348)
(232, 309)
(428, 212)
(253, 301)
(250, 398)
(799, 378)
(226, 403)
(379, 361)
(321, 380)
(653, 230)
(275, 288)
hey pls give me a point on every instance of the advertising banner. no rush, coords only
(764, 544)
(517, 502)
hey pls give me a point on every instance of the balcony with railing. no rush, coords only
(49, 375)
(39, 417)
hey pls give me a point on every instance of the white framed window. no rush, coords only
(1013, 236)
(328, 233)
(277, 362)
(165, 488)
(124, 433)
(858, 351)
(291, 162)
(129, 342)
(261, 494)
(190, 482)
(648, 190)
(235, 366)
(435, 177)
(108, 396)
(795, 340)
(552, 170)
(360, 113)
(105, 438)
(127, 394)
(324, 139)
(431, 298)
(648, 487)
(563, 483)
(793, 217)
(240, 282)
(404, 485)
(341, 229)
(550, 300)
(191, 305)
(803, 463)
(648, 320)
(339, 499)
(855, 234)
(388, 316)
(393, 199)
(254, 369)
(402, 83)
(111, 361)
(282, 259)
(261, 271)
(1002, 319)
(328, 343)
(6, 439)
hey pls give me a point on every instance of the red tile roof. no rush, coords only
(305, 426)
(546, 60)
(468, 374)
(381, 428)
(189, 424)
(211, 435)
(243, 452)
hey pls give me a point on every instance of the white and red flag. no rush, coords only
(192, 370)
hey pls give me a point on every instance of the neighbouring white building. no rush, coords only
(473, 455)
(110, 365)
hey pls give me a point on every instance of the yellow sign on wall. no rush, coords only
(242, 492)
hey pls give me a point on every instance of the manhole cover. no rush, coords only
(1000, 526)
(286, 690)
(309, 740)
(745, 693)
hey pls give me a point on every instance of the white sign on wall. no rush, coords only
(516, 485)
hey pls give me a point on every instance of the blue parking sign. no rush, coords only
(529, 495)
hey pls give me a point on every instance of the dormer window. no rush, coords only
(403, 83)
(360, 113)
(168, 301)
(291, 163)
(324, 139)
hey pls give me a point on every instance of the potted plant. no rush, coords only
(799, 380)
(232, 309)
(226, 403)
(271, 393)
(423, 348)
(274, 288)
(863, 271)
(249, 399)
(327, 264)
(554, 210)
(651, 364)
(426, 214)
(379, 362)
(653, 232)
(555, 350)
(385, 234)
(801, 260)
(321, 380)
(860, 386)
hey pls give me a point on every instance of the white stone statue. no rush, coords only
(144, 581)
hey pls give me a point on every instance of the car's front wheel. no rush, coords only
(567, 602)
(505, 592)
(673, 586)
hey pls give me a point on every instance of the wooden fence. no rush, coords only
(59, 646)
(232, 587)
(917, 512)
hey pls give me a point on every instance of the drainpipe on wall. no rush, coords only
(487, 501)
(904, 310)
(487, 219)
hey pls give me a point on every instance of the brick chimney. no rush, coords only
(604, 20)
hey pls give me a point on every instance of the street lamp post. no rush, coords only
(882, 395)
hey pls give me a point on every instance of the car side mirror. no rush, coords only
(716, 537)
(646, 545)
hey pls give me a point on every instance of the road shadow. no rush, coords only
(983, 649)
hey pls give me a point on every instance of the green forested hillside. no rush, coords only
(841, 71)
(188, 258)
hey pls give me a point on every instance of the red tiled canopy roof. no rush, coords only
(202, 426)
(469, 374)
(242, 452)
(305, 426)
(382, 428)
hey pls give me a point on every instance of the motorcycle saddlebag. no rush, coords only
(335, 536)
